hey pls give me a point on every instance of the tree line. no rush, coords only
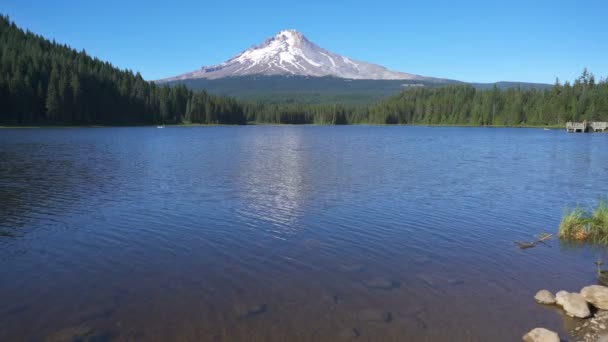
(46, 83)
(584, 99)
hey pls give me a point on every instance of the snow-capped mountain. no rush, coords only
(290, 53)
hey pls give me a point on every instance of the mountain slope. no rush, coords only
(304, 89)
(290, 53)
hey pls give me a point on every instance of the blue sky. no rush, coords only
(480, 41)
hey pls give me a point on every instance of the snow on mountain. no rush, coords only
(290, 53)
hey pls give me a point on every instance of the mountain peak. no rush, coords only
(289, 33)
(290, 53)
(290, 37)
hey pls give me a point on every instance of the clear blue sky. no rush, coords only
(481, 41)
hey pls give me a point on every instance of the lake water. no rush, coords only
(289, 233)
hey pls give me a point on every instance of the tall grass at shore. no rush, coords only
(583, 226)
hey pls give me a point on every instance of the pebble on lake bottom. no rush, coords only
(382, 283)
(387, 317)
(79, 333)
(251, 311)
(376, 316)
(456, 282)
(351, 268)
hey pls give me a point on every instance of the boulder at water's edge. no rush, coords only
(541, 335)
(575, 305)
(597, 295)
(544, 297)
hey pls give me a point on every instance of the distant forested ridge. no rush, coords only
(43, 82)
(326, 89)
(585, 99)
(46, 83)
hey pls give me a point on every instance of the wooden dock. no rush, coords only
(599, 126)
(584, 127)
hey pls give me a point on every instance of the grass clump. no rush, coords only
(582, 226)
(574, 225)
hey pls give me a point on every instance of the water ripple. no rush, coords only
(176, 231)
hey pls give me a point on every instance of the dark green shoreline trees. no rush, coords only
(464, 105)
(46, 83)
(585, 99)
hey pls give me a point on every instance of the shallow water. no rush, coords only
(299, 233)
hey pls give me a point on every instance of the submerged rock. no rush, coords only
(575, 305)
(79, 333)
(416, 319)
(544, 297)
(253, 311)
(352, 268)
(597, 295)
(311, 243)
(456, 282)
(387, 317)
(376, 316)
(350, 334)
(541, 335)
(382, 283)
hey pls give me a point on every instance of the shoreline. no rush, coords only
(550, 127)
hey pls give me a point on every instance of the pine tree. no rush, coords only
(53, 105)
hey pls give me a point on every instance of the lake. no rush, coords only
(289, 233)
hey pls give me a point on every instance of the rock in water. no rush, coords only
(597, 295)
(575, 305)
(559, 297)
(544, 297)
(254, 311)
(376, 316)
(541, 335)
(350, 334)
(352, 268)
(71, 334)
(387, 317)
(381, 283)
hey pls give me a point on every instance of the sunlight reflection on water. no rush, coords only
(289, 233)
